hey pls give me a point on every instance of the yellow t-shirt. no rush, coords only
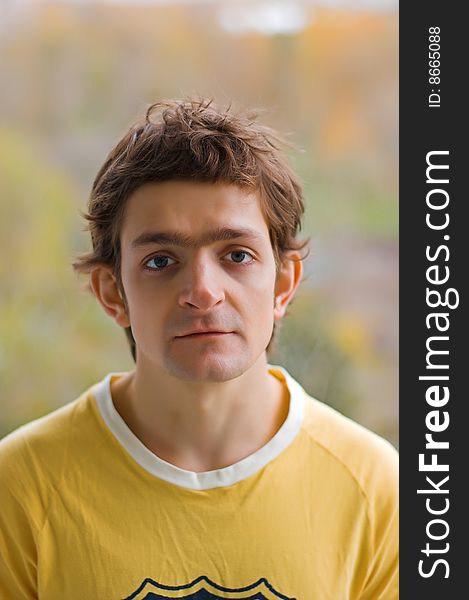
(87, 512)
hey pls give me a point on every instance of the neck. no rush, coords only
(202, 426)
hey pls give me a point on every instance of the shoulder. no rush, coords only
(41, 450)
(340, 452)
(50, 429)
(350, 451)
(335, 440)
(344, 438)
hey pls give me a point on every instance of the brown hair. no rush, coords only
(192, 139)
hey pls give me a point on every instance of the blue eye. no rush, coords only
(239, 256)
(159, 263)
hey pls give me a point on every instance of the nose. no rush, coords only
(201, 286)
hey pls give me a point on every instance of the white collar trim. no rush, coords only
(204, 480)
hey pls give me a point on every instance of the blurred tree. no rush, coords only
(50, 333)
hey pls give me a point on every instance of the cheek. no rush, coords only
(145, 301)
(260, 298)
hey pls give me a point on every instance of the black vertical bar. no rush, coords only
(432, 120)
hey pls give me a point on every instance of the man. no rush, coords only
(205, 472)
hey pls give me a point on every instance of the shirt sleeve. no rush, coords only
(382, 581)
(18, 549)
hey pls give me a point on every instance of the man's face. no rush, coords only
(199, 277)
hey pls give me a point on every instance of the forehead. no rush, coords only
(192, 209)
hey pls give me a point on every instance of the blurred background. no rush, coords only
(74, 74)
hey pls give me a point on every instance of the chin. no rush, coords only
(209, 368)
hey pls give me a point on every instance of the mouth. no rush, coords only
(204, 334)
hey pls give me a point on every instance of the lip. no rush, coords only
(204, 334)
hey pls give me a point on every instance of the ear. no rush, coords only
(288, 279)
(105, 288)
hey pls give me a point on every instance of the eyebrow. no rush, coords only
(176, 238)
